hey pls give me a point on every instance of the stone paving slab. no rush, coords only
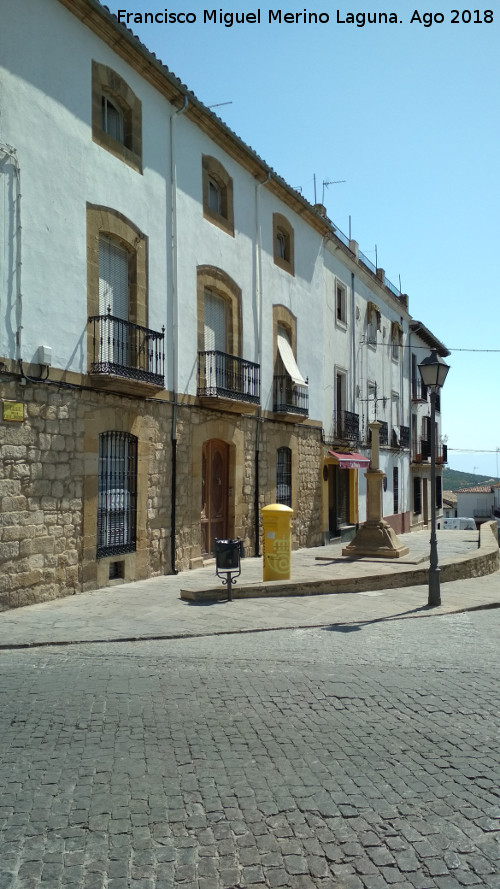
(153, 608)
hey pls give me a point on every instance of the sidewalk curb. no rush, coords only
(427, 612)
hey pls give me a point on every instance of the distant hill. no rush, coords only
(453, 479)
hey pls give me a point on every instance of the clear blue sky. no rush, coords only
(408, 115)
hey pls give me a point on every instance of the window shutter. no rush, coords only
(113, 278)
(215, 323)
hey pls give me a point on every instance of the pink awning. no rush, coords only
(350, 461)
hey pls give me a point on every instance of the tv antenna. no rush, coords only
(326, 183)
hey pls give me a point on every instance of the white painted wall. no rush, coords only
(45, 110)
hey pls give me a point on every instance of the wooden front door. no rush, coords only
(215, 468)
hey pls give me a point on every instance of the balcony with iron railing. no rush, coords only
(127, 351)
(421, 452)
(383, 433)
(229, 378)
(346, 426)
(290, 398)
(400, 437)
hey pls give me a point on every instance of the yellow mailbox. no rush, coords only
(276, 527)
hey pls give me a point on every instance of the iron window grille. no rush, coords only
(117, 494)
(284, 476)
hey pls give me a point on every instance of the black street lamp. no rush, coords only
(433, 371)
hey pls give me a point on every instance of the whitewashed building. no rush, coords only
(183, 337)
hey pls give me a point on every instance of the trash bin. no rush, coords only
(277, 532)
(227, 554)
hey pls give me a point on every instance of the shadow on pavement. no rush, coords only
(352, 627)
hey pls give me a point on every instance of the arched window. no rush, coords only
(116, 116)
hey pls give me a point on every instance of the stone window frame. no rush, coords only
(106, 83)
(214, 173)
(216, 280)
(119, 417)
(112, 224)
(283, 230)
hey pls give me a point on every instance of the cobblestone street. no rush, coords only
(348, 757)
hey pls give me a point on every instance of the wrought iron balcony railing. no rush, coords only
(346, 426)
(123, 349)
(383, 434)
(422, 452)
(289, 398)
(226, 376)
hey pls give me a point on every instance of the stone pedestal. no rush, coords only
(375, 537)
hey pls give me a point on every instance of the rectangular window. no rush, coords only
(117, 494)
(395, 488)
(284, 476)
(341, 303)
(417, 495)
(112, 120)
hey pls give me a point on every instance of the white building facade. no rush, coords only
(183, 338)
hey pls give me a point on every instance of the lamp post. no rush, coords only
(433, 371)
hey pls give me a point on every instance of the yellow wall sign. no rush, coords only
(13, 411)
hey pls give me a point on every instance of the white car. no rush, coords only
(459, 524)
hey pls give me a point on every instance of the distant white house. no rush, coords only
(477, 502)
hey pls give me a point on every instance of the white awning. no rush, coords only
(285, 350)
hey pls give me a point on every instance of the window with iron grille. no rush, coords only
(395, 488)
(284, 476)
(117, 494)
(417, 495)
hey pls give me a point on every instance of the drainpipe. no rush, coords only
(259, 303)
(10, 153)
(175, 328)
(353, 341)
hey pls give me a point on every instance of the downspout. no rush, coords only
(259, 303)
(175, 329)
(353, 344)
(8, 152)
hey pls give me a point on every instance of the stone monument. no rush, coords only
(375, 537)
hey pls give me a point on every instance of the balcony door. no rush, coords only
(114, 297)
(214, 500)
(215, 320)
